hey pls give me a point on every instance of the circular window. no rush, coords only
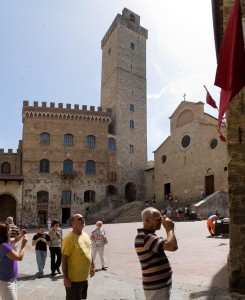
(213, 144)
(185, 142)
(164, 159)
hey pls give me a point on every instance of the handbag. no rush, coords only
(105, 239)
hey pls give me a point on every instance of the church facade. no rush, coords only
(71, 158)
(192, 159)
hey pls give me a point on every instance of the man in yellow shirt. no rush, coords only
(77, 261)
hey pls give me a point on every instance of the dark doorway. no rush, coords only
(209, 184)
(8, 208)
(41, 217)
(167, 190)
(111, 190)
(131, 192)
(66, 214)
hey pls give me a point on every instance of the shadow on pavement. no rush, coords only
(221, 279)
(218, 286)
(24, 277)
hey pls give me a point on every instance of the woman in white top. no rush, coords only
(98, 238)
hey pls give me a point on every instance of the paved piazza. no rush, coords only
(199, 267)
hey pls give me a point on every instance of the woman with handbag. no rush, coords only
(99, 240)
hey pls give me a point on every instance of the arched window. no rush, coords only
(90, 167)
(42, 197)
(132, 45)
(5, 168)
(111, 144)
(68, 139)
(131, 107)
(45, 138)
(131, 124)
(90, 141)
(44, 166)
(89, 196)
(66, 197)
(131, 149)
(67, 167)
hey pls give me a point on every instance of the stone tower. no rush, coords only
(123, 89)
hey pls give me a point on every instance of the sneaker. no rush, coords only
(58, 270)
(52, 274)
(103, 268)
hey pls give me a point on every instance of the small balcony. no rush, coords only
(10, 177)
(68, 174)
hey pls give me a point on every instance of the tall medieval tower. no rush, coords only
(123, 90)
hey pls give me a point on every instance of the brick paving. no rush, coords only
(199, 267)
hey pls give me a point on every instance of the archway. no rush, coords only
(8, 207)
(131, 192)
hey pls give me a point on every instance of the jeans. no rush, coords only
(77, 291)
(41, 259)
(8, 290)
(160, 294)
(55, 252)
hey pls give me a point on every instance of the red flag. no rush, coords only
(230, 74)
(222, 138)
(210, 100)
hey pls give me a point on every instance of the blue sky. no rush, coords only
(51, 51)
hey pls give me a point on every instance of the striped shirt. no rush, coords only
(156, 269)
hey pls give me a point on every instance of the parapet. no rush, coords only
(128, 19)
(9, 151)
(61, 106)
(45, 110)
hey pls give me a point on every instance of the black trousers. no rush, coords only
(55, 255)
(77, 291)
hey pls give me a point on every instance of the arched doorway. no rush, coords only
(8, 207)
(131, 192)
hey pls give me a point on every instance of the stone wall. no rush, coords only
(236, 178)
(218, 201)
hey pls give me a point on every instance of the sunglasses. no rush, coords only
(80, 218)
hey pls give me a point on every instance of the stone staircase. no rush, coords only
(108, 212)
(131, 213)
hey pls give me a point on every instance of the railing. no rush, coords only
(9, 177)
(68, 174)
